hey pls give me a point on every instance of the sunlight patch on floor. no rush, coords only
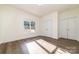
(50, 47)
(34, 48)
(59, 51)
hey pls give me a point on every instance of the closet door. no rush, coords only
(63, 28)
(71, 28)
(48, 28)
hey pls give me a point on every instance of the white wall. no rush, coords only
(11, 24)
(49, 25)
(0, 25)
(69, 15)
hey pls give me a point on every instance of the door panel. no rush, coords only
(48, 28)
(69, 28)
(63, 28)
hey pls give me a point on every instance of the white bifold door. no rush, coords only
(69, 28)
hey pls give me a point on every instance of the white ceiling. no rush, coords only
(43, 9)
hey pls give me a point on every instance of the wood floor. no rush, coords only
(18, 47)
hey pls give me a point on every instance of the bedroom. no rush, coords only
(39, 28)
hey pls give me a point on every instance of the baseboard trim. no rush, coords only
(18, 39)
(48, 37)
(28, 38)
(67, 38)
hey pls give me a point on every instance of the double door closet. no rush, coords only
(69, 28)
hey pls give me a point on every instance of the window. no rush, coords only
(26, 25)
(32, 25)
(29, 26)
